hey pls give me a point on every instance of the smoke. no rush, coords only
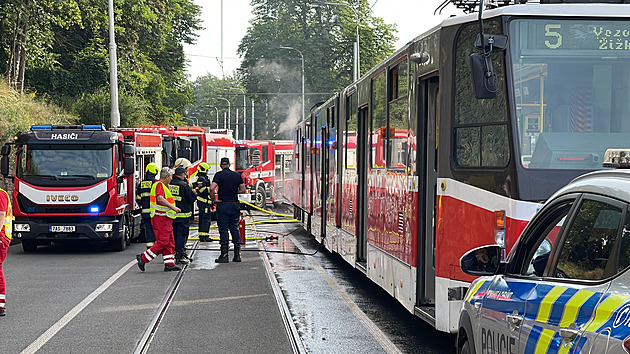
(285, 108)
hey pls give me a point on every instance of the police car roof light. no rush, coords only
(617, 158)
(93, 127)
(41, 127)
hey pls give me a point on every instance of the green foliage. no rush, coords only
(324, 35)
(68, 57)
(18, 113)
(95, 108)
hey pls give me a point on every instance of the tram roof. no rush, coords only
(535, 9)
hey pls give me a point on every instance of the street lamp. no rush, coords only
(357, 63)
(215, 107)
(229, 107)
(244, 112)
(302, 58)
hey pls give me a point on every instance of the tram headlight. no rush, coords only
(22, 227)
(103, 227)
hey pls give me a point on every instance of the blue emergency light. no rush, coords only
(238, 141)
(41, 127)
(94, 209)
(93, 127)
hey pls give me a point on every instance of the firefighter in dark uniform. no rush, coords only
(184, 198)
(204, 204)
(230, 184)
(143, 194)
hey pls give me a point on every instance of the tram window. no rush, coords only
(480, 126)
(564, 120)
(350, 133)
(379, 121)
(397, 137)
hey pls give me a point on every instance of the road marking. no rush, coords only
(382, 339)
(178, 303)
(54, 329)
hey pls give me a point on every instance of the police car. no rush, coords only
(565, 285)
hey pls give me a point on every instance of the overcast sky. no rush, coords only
(412, 17)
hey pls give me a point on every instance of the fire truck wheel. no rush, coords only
(261, 198)
(29, 246)
(120, 244)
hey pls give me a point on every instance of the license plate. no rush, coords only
(61, 228)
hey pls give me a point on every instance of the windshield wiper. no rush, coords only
(43, 176)
(82, 176)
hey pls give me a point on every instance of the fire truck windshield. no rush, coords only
(242, 158)
(65, 161)
(570, 87)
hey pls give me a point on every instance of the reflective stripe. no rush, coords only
(8, 219)
(161, 210)
(544, 340)
(473, 290)
(573, 306)
(604, 310)
(201, 233)
(203, 200)
(2, 297)
(547, 303)
(183, 215)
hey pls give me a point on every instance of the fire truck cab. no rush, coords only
(74, 182)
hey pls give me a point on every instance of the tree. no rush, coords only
(324, 35)
(64, 46)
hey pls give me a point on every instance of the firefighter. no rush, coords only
(143, 197)
(6, 217)
(230, 184)
(184, 199)
(204, 204)
(163, 211)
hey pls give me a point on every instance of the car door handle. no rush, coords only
(569, 335)
(514, 320)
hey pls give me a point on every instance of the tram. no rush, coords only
(456, 139)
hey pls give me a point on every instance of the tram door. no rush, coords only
(324, 173)
(427, 118)
(363, 160)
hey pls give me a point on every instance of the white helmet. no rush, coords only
(182, 162)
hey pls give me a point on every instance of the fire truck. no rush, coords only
(266, 168)
(77, 182)
(194, 144)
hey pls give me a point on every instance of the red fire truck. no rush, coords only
(77, 182)
(267, 169)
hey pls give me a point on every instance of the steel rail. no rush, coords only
(149, 333)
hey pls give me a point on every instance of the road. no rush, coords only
(74, 298)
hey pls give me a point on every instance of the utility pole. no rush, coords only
(252, 119)
(113, 69)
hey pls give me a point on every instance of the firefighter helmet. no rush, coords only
(203, 167)
(152, 168)
(182, 161)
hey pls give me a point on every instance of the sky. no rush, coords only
(412, 18)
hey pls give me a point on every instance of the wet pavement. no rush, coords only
(334, 306)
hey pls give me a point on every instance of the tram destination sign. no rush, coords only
(572, 37)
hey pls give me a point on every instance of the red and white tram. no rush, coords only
(426, 156)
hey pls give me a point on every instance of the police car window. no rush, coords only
(538, 261)
(590, 239)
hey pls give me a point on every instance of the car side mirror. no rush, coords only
(485, 260)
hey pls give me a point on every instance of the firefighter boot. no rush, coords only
(168, 268)
(224, 257)
(237, 253)
(180, 258)
(140, 262)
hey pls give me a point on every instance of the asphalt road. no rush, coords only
(78, 298)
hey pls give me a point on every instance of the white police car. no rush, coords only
(565, 285)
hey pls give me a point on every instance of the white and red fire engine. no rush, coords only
(77, 182)
(267, 169)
